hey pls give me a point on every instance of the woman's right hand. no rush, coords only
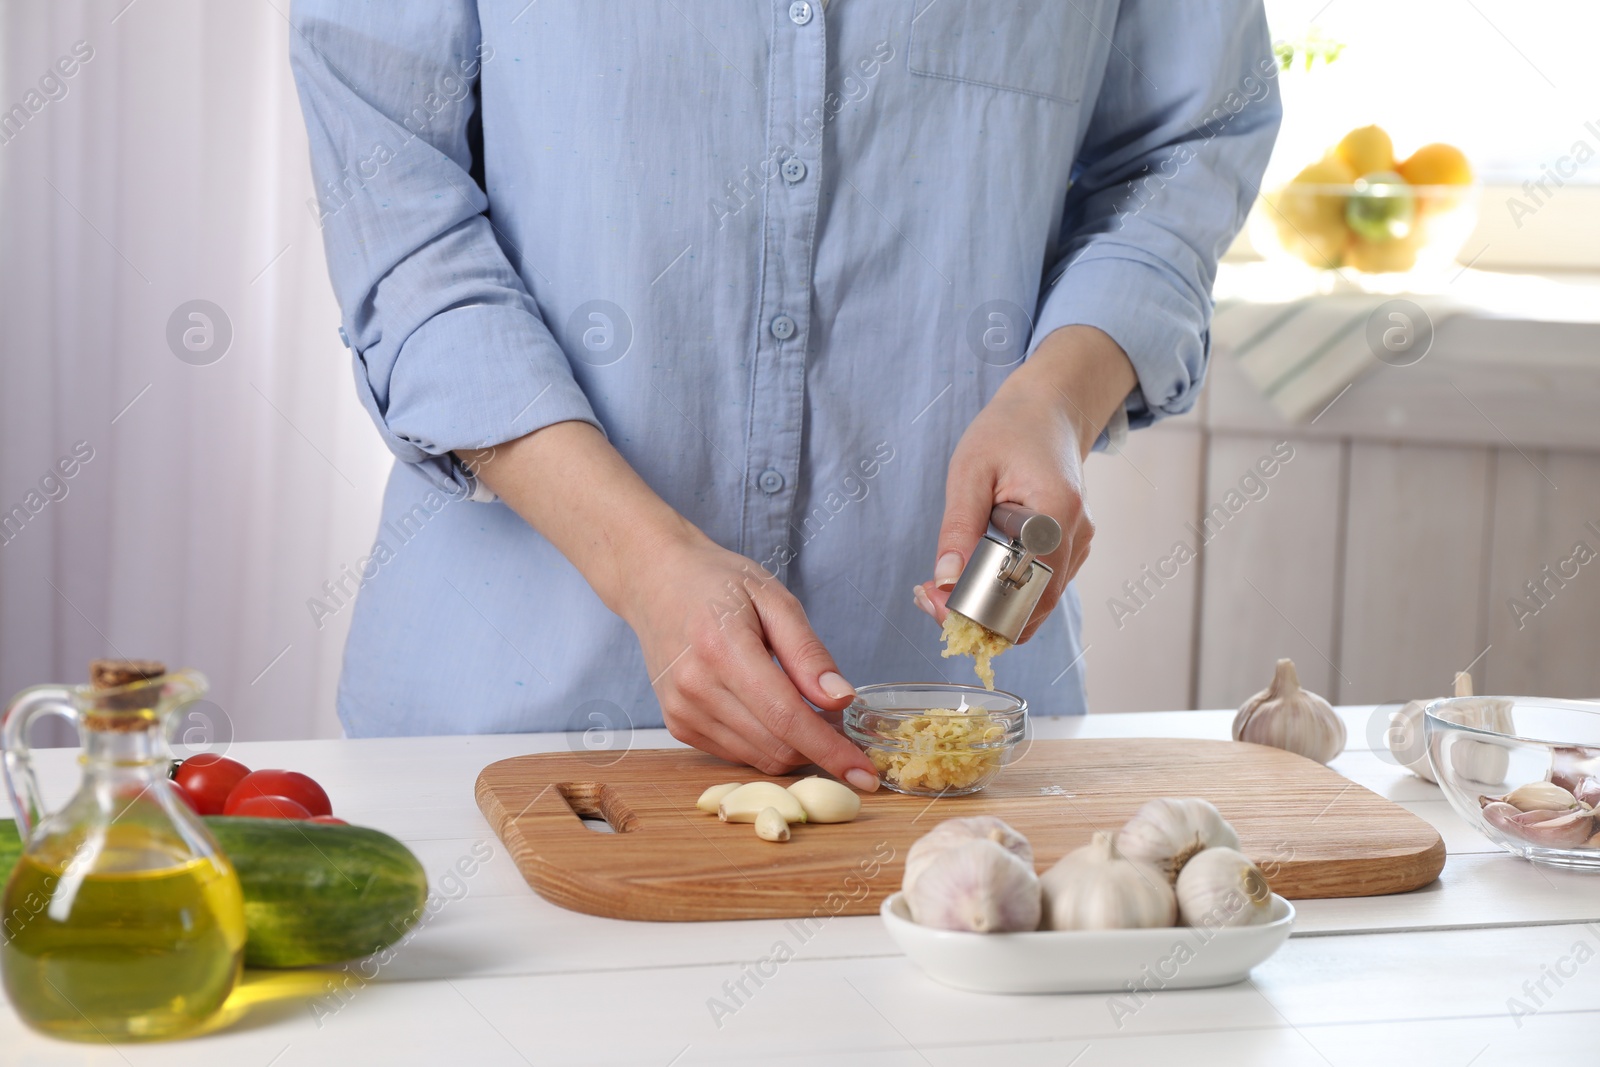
(711, 622)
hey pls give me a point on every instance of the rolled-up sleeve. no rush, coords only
(448, 346)
(1171, 160)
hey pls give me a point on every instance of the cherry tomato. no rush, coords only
(183, 795)
(269, 807)
(329, 820)
(292, 784)
(208, 780)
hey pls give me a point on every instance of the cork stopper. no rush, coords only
(113, 674)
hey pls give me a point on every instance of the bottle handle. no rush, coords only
(24, 710)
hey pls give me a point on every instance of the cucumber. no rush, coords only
(10, 848)
(313, 893)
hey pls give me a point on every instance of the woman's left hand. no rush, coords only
(1027, 447)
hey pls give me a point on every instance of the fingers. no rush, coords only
(699, 710)
(932, 600)
(968, 500)
(766, 691)
(1075, 546)
(730, 732)
(1067, 561)
(799, 650)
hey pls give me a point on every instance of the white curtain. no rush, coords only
(170, 166)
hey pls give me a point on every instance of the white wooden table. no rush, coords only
(499, 976)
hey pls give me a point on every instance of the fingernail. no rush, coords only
(862, 780)
(833, 683)
(920, 595)
(947, 570)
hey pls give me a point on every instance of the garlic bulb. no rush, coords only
(975, 885)
(957, 831)
(1221, 887)
(1477, 760)
(1285, 716)
(1095, 888)
(1166, 832)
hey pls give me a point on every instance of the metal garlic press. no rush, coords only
(1003, 580)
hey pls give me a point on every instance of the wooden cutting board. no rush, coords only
(1313, 832)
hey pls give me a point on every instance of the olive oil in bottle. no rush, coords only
(122, 921)
(133, 950)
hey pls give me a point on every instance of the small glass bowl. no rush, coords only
(936, 755)
(1546, 740)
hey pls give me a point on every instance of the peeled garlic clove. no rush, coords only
(1541, 796)
(712, 797)
(770, 825)
(1221, 887)
(978, 886)
(1095, 888)
(1285, 716)
(746, 802)
(1166, 832)
(1550, 829)
(826, 800)
(958, 831)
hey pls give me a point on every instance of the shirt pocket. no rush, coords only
(1036, 47)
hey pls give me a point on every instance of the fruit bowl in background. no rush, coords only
(1554, 741)
(1399, 227)
(1359, 208)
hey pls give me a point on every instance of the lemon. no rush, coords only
(1381, 257)
(1366, 149)
(1329, 170)
(1436, 164)
(1310, 216)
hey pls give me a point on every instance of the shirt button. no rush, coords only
(793, 170)
(783, 327)
(800, 12)
(344, 338)
(770, 481)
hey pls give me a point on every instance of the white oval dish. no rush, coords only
(1087, 961)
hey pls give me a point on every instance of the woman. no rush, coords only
(702, 330)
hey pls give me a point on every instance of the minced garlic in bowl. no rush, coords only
(934, 739)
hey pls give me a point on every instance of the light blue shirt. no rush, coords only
(781, 253)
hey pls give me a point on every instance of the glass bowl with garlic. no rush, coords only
(934, 739)
(1524, 771)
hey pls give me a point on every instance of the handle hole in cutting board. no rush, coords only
(594, 803)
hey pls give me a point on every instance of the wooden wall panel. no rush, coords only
(1270, 571)
(1414, 569)
(1545, 504)
(1141, 501)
